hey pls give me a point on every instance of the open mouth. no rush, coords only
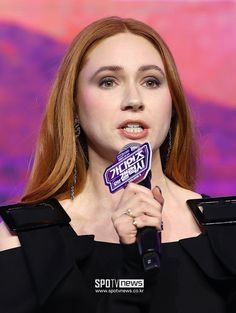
(133, 129)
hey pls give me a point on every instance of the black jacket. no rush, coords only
(54, 269)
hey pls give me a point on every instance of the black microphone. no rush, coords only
(148, 238)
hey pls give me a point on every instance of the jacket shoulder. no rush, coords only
(210, 211)
(22, 217)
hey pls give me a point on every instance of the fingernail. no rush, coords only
(159, 189)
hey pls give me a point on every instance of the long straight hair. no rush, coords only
(58, 153)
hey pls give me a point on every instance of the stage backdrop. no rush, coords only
(201, 34)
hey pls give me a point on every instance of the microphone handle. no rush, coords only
(149, 239)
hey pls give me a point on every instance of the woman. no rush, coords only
(117, 84)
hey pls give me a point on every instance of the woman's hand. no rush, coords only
(138, 207)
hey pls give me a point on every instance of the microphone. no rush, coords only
(149, 239)
(134, 165)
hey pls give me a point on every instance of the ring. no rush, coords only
(129, 213)
(135, 222)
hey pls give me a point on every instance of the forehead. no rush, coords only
(124, 49)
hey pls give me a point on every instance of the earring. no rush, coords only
(77, 126)
(168, 149)
(72, 188)
(169, 144)
(75, 173)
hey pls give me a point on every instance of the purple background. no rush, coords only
(29, 59)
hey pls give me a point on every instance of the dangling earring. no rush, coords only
(75, 174)
(168, 149)
(169, 143)
(77, 126)
(72, 188)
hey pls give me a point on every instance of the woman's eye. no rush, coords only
(107, 82)
(152, 83)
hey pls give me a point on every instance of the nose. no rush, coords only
(132, 100)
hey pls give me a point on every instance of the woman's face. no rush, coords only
(123, 95)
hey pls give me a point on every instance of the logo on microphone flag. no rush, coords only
(130, 166)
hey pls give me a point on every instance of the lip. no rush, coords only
(130, 135)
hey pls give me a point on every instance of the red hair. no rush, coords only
(57, 152)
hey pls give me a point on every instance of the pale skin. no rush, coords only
(134, 87)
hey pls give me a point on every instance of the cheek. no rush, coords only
(162, 117)
(163, 107)
(167, 104)
(90, 106)
(96, 105)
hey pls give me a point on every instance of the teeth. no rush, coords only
(133, 125)
(133, 128)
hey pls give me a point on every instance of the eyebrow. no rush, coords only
(112, 68)
(116, 68)
(151, 67)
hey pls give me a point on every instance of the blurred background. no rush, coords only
(201, 35)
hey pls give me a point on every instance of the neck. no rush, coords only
(95, 192)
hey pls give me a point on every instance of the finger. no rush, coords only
(123, 223)
(133, 188)
(145, 209)
(128, 239)
(156, 191)
(125, 229)
(137, 190)
(139, 204)
(144, 220)
(148, 205)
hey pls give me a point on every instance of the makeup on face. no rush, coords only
(123, 94)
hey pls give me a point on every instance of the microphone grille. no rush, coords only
(133, 146)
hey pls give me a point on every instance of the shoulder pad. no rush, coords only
(214, 211)
(20, 217)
